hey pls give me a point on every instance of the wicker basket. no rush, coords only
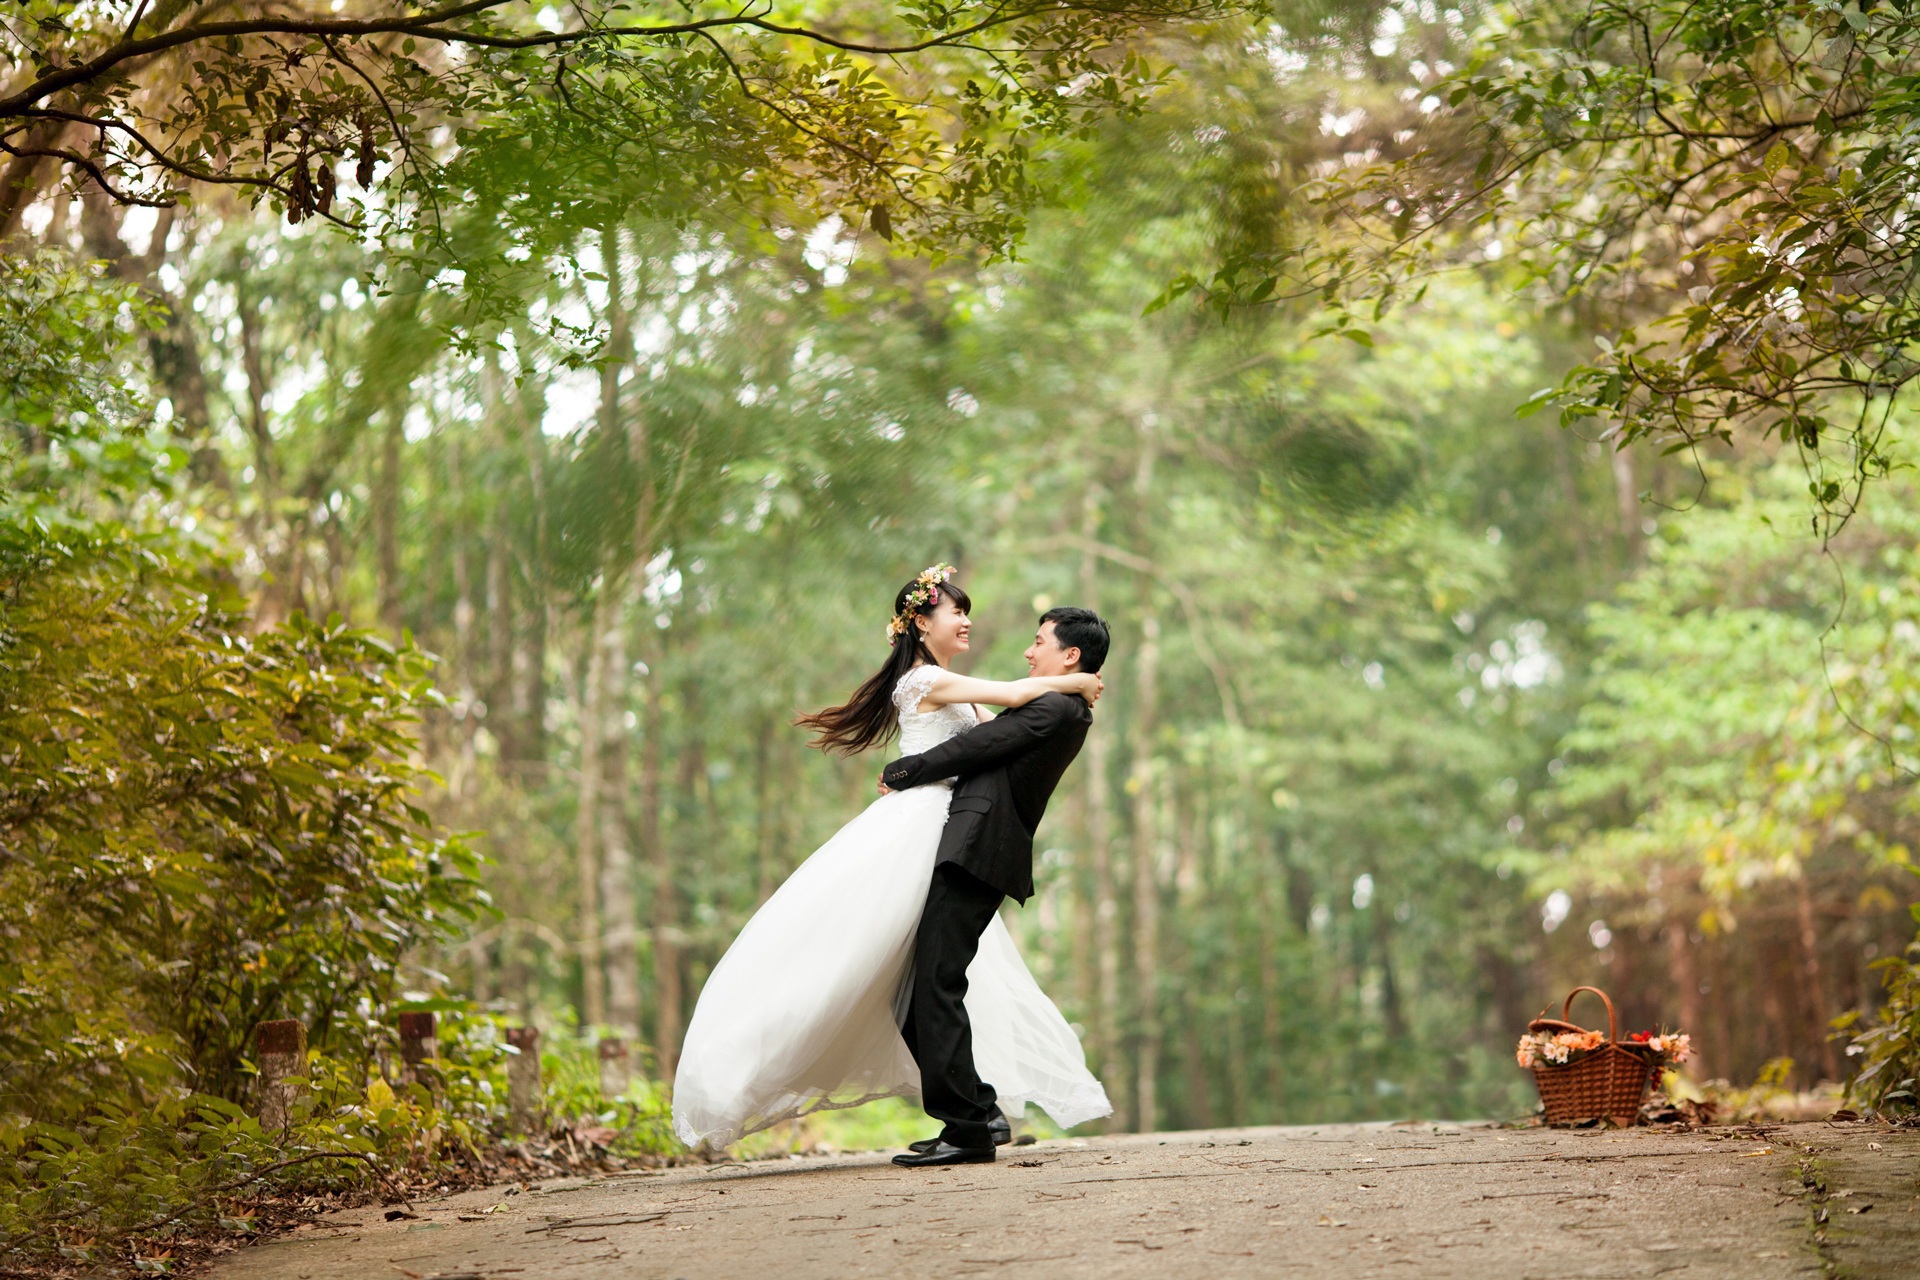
(1608, 1083)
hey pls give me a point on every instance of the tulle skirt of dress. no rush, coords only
(803, 1012)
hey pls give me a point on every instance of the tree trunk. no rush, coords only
(25, 177)
(1812, 980)
(498, 683)
(480, 963)
(586, 825)
(1288, 897)
(386, 520)
(666, 906)
(1083, 952)
(1104, 1012)
(1390, 1007)
(463, 611)
(778, 832)
(1626, 493)
(600, 821)
(1686, 981)
(266, 462)
(1559, 443)
(172, 349)
(619, 912)
(763, 810)
(1192, 887)
(498, 686)
(1106, 916)
(536, 622)
(1146, 888)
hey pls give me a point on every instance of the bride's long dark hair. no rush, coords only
(868, 718)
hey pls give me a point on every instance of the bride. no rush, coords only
(803, 1013)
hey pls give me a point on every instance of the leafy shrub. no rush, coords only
(201, 826)
(641, 1116)
(1887, 1052)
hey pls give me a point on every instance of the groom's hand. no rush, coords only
(885, 790)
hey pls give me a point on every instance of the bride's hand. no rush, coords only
(1091, 687)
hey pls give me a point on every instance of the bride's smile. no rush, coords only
(946, 630)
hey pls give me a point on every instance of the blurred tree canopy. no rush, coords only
(921, 118)
(1724, 187)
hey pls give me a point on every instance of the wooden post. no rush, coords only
(524, 1100)
(416, 1044)
(613, 1066)
(282, 1050)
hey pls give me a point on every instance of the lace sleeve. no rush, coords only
(913, 687)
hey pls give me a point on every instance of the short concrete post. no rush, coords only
(416, 1045)
(613, 1067)
(281, 1047)
(525, 1102)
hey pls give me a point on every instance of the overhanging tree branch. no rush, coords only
(432, 26)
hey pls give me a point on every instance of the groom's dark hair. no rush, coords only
(1081, 629)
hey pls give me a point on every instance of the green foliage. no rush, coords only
(202, 825)
(1726, 186)
(1886, 1046)
(68, 406)
(1722, 731)
(75, 1191)
(204, 829)
(1744, 753)
(127, 1176)
(920, 119)
(641, 1117)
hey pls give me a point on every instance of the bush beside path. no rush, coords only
(1422, 1200)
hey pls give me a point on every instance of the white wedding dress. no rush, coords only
(803, 1012)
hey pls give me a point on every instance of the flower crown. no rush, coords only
(924, 591)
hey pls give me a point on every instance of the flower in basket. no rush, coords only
(1556, 1048)
(1668, 1048)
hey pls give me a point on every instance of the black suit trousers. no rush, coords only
(959, 909)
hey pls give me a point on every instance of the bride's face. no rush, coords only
(945, 630)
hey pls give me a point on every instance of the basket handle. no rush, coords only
(1613, 1019)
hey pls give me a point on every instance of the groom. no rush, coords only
(1007, 770)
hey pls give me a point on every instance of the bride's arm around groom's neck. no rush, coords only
(986, 747)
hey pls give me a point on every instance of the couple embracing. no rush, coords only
(882, 968)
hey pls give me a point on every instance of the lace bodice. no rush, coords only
(922, 731)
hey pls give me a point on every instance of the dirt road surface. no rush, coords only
(1425, 1200)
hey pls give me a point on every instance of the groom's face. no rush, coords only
(1045, 657)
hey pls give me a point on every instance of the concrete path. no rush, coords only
(1424, 1200)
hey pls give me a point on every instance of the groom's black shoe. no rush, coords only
(944, 1153)
(999, 1128)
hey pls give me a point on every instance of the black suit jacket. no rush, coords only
(1007, 770)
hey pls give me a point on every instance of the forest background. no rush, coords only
(538, 520)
